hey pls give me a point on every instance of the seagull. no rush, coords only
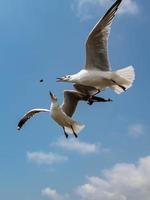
(62, 114)
(97, 74)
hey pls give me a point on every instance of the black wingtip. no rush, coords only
(19, 125)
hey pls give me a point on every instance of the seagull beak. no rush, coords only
(51, 95)
(60, 79)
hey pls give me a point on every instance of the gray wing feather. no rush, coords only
(28, 115)
(97, 42)
(70, 101)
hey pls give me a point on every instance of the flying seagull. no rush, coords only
(97, 74)
(62, 114)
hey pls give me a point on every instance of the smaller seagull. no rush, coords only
(62, 114)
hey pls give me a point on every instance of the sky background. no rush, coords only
(110, 160)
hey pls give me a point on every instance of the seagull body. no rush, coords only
(99, 80)
(97, 73)
(94, 78)
(62, 113)
(60, 117)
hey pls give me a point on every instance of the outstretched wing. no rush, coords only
(70, 101)
(97, 42)
(28, 115)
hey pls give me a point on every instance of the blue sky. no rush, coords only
(111, 158)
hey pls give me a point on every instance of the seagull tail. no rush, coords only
(77, 127)
(123, 78)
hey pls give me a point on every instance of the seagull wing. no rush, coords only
(70, 101)
(97, 42)
(28, 115)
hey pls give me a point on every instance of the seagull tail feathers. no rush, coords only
(123, 77)
(77, 127)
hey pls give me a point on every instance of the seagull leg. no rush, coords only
(122, 87)
(98, 91)
(65, 133)
(90, 99)
(98, 99)
(74, 132)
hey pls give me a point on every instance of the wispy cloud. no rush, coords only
(122, 182)
(78, 146)
(136, 130)
(86, 9)
(42, 158)
(53, 194)
(129, 7)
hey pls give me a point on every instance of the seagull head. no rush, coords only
(53, 97)
(67, 78)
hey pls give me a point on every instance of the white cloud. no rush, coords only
(45, 158)
(88, 8)
(136, 130)
(122, 182)
(53, 194)
(76, 145)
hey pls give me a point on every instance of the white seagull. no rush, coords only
(62, 114)
(97, 74)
